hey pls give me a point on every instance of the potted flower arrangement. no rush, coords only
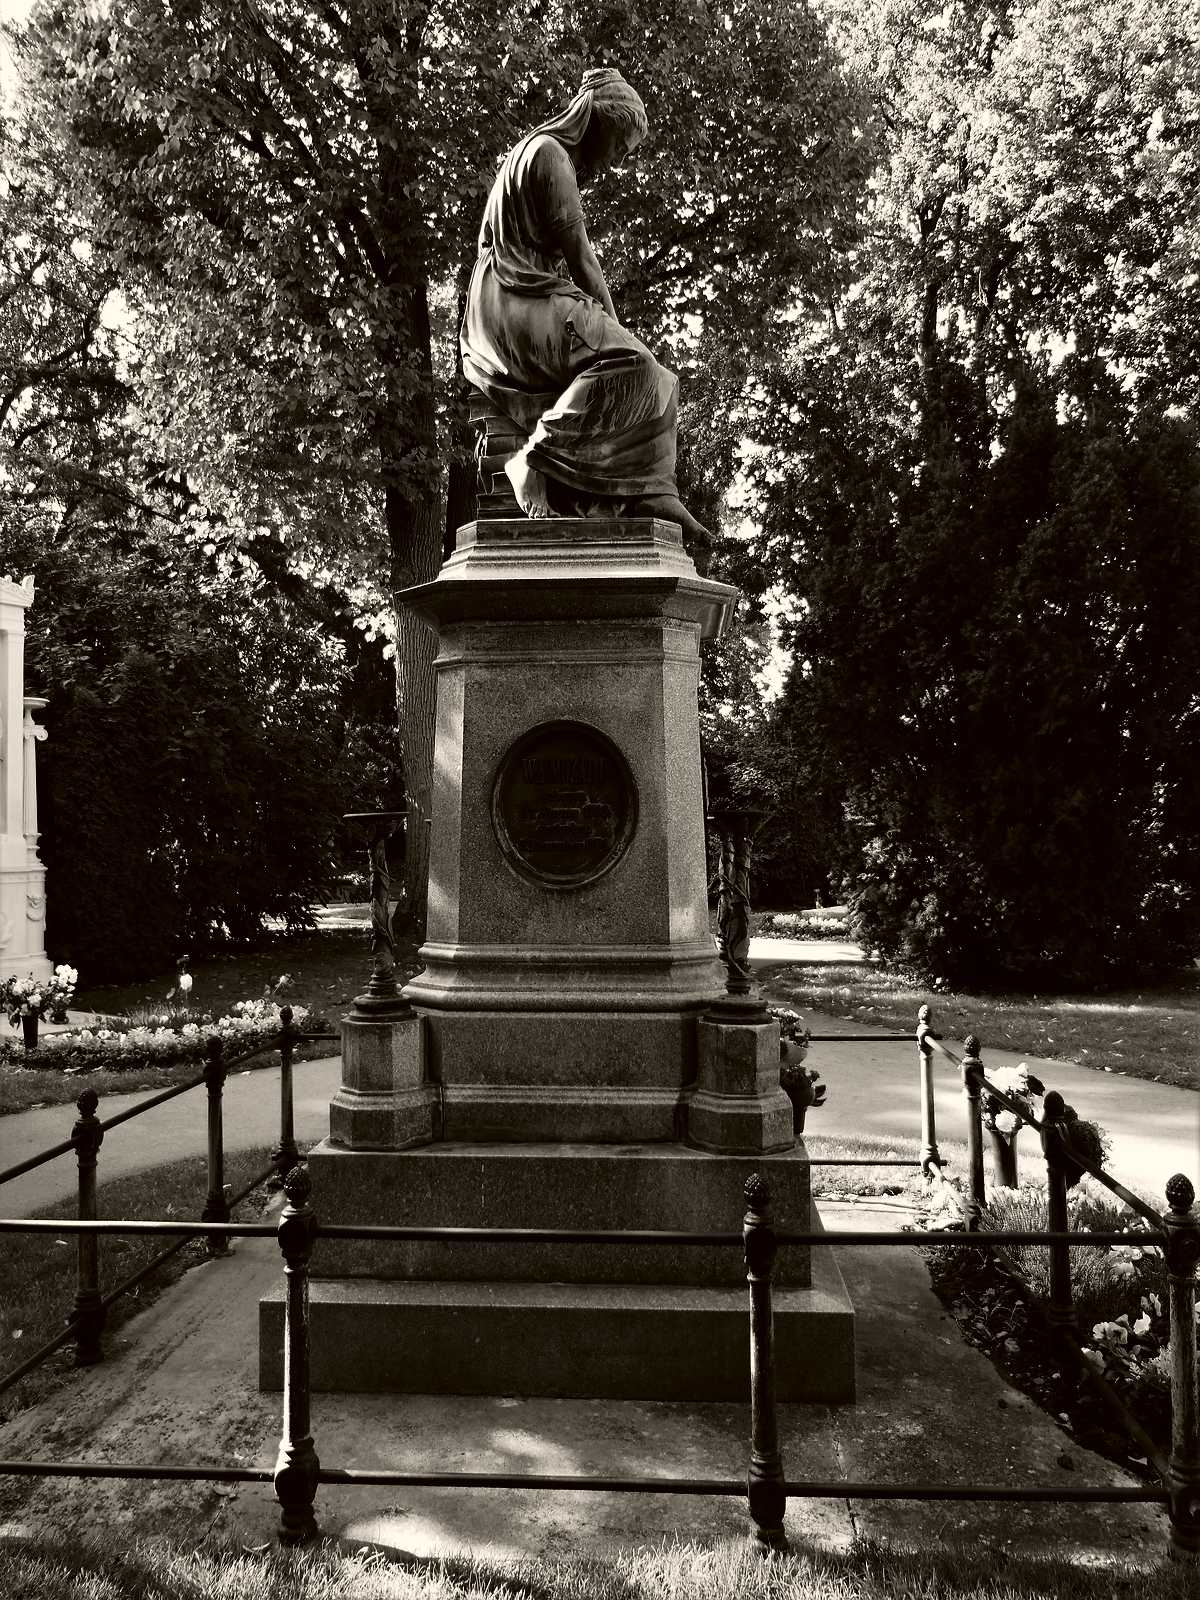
(1003, 1125)
(27, 1000)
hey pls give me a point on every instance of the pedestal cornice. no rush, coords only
(555, 568)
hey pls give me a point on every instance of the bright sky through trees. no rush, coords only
(10, 11)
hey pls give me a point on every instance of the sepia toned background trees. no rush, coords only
(927, 272)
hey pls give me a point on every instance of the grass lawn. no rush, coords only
(69, 1569)
(1149, 1033)
(328, 967)
(37, 1272)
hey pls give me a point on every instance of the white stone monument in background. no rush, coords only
(22, 875)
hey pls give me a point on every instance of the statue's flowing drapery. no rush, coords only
(599, 409)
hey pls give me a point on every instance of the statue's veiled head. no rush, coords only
(604, 122)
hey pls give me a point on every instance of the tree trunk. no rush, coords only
(460, 472)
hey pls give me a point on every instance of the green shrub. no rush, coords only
(1103, 1284)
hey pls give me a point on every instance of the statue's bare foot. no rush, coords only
(672, 509)
(529, 485)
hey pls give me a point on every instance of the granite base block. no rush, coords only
(626, 1342)
(740, 1124)
(384, 1102)
(593, 1187)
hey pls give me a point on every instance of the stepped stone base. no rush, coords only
(626, 1320)
(603, 1341)
(595, 1187)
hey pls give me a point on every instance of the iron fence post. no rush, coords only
(286, 1154)
(1060, 1313)
(930, 1156)
(297, 1464)
(972, 1082)
(88, 1316)
(1183, 1472)
(216, 1207)
(765, 1480)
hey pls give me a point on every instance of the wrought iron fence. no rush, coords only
(298, 1473)
(85, 1325)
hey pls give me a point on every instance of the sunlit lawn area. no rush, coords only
(1152, 1032)
(67, 1569)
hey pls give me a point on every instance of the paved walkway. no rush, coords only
(873, 1091)
(181, 1383)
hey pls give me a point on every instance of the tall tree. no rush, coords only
(979, 475)
(289, 193)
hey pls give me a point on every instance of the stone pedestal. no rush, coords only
(622, 1321)
(568, 949)
(566, 1072)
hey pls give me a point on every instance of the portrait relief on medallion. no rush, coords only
(564, 804)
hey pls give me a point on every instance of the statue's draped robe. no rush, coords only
(599, 410)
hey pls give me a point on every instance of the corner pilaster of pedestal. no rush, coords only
(737, 1106)
(384, 1102)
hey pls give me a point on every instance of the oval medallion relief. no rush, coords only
(564, 804)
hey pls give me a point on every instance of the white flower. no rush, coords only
(1006, 1122)
(1141, 1326)
(1110, 1333)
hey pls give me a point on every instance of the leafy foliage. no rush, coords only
(193, 779)
(980, 473)
(290, 195)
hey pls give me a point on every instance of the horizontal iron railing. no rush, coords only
(395, 1234)
(297, 1474)
(829, 1489)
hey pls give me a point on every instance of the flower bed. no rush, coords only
(161, 1039)
(1120, 1299)
(830, 923)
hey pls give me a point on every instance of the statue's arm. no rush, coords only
(583, 265)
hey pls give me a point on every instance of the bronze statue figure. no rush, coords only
(541, 339)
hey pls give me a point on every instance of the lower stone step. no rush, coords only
(602, 1341)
